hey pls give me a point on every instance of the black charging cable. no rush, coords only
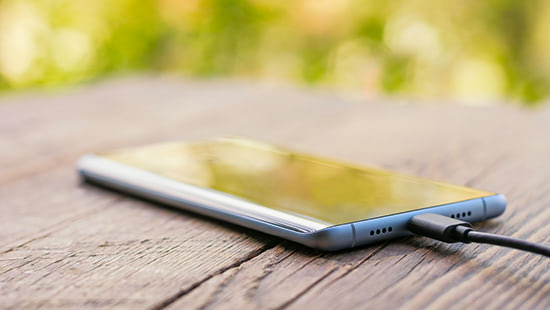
(451, 230)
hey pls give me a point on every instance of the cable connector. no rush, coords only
(450, 230)
(439, 227)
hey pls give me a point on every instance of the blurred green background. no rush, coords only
(470, 51)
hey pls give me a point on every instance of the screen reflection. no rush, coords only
(320, 189)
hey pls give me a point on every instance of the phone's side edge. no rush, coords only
(494, 205)
(333, 238)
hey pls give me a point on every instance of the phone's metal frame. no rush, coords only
(310, 232)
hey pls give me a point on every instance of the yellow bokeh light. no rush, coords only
(23, 27)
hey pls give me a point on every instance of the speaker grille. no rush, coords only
(463, 214)
(379, 231)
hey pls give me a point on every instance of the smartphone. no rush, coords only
(321, 203)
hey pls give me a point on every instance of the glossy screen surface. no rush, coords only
(323, 190)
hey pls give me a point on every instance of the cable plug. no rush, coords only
(440, 227)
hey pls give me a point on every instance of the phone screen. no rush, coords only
(323, 190)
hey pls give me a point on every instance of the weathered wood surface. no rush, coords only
(64, 244)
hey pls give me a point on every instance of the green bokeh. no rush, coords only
(419, 48)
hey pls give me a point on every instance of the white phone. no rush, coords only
(321, 203)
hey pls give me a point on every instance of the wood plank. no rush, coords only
(129, 254)
(64, 244)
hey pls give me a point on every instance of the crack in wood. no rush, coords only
(269, 268)
(311, 286)
(170, 300)
(60, 225)
(307, 289)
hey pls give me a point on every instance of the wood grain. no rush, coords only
(64, 244)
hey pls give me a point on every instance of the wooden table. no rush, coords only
(65, 244)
